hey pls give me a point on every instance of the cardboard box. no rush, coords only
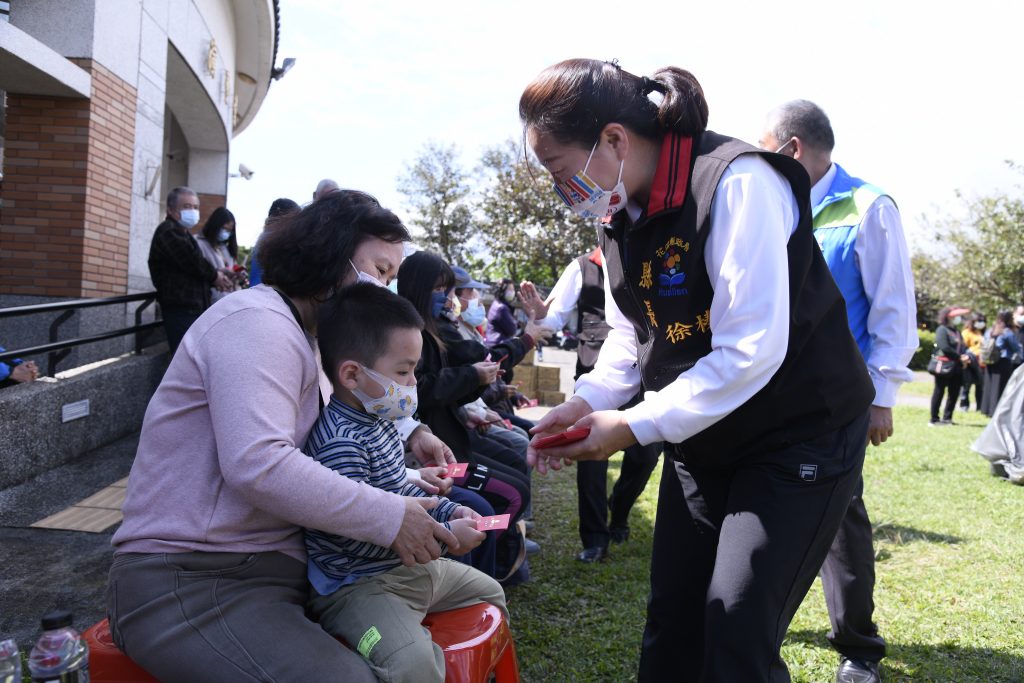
(552, 398)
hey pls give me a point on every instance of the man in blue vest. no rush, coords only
(859, 231)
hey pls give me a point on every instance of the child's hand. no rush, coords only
(463, 512)
(466, 532)
(433, 483)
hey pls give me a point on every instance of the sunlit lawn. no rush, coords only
(949, 597)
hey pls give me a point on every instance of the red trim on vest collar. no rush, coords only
(668, 191)
(595, 256)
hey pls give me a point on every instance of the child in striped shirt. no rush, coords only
(370, 344)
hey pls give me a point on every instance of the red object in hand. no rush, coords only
(564, 438)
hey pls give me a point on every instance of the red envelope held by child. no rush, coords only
(456, 469)
(492, 523)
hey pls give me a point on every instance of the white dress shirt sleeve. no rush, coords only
(564, 297)
(884, 261)
(753, 215)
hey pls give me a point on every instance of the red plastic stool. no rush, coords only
(476, 642)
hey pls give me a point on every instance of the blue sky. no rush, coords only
(925, 97)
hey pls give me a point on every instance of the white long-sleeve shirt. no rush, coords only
(753, 216)
(564, 296)
(882, 256)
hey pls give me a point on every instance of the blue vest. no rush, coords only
(837, 222)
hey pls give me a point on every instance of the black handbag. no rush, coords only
(941, 365)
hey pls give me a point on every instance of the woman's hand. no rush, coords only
(428, 449)
(556, 421)
(609, 433)
(531, 299)
(487, 371)
(25, 372)
(417, 539)
(538, 332)
(434, 480)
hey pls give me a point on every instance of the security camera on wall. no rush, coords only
(243, 172)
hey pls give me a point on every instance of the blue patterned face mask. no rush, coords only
(397, 402)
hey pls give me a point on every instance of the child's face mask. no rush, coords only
(397, 402)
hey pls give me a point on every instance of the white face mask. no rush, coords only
(397, 402)
(474, 314)
(586, 198)
(1018, 320)
(189, 217)
(958, 321)
(366, 277)
(979, 325)
(223, 235)
(510, 295)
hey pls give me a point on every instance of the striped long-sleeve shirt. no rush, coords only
(366, 449)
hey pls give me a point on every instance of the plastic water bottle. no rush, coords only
(60, 655)
(10, 662)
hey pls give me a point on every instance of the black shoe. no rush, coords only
(936, 423)
(593, 554)
(947, 421)
(857, 671)
(618, 534)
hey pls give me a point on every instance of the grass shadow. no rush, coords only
(898, 534)
(935, 662)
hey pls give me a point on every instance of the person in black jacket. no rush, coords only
(724, 313)
(949, 345)
(449, 375)
(181, 275)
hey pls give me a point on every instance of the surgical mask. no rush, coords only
(784, 146)
(223, 235)
(586, 198)
(366, 277)
(958, 320)
(474, 314)
(189, 217)
(979, 325)
(1018, 320)
(510, 295)
(397, 402)
(437, 303)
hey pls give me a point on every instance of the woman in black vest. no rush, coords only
(724, 312)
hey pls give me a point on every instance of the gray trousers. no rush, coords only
(216, 617)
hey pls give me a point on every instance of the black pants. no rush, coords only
(592, 488)
(736, 549)
(176, 324)
(848, 579)
(974, 375)
(944, 383)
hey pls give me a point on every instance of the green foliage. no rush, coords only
(931, 288)
(528, 231)
(943, 596)
(926, 345)
(987, 270)
(436, 188)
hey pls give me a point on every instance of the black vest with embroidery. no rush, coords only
(660, 282)
(593, 330)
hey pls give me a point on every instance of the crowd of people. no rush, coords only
(748, 312)
(968, 353)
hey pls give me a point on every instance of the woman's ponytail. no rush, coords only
(683, 108)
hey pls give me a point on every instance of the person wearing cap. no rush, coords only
(858, 228)
(581, 289)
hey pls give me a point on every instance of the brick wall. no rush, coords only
(207, 203)
(65, 217)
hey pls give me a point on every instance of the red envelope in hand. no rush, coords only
(534, 402)
(456, 469)
(492, 523)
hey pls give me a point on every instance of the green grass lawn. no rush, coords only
(949, 594)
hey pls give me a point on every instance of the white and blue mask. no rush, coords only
(587, 199)
(397, 402)
(474, 315)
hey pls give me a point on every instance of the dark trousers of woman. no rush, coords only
(974, 375)
(996, 376)
(736, 549)
(950, 385)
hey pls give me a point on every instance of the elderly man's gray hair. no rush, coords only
(805, 120)
(174, 195)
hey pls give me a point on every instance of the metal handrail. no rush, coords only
(58, 350)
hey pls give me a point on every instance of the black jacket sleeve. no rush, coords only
(439, 386)
(946, 343)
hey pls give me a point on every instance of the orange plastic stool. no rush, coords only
(476, 642)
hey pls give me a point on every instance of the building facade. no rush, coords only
(109, 104)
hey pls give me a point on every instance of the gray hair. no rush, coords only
(805, 120)
(175, 194)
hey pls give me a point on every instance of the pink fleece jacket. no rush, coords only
(220, 466)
